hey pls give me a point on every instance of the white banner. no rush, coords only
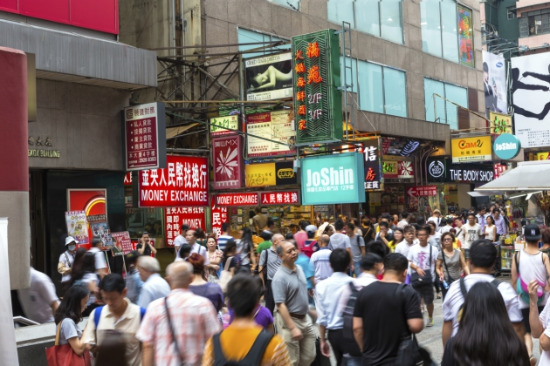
(530, 87)
(494, 83)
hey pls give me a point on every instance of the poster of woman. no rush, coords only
(269, 77)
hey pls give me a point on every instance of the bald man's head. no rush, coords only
(179, 274)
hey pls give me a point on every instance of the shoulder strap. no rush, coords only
(352, 288)
(67, 259)
(496, 283)
(463, 288)
(516, 257)
(445, 263)
(256, 353)
(97, 315)
(58, 333)
(141, 313)
(172, 329)
(227, 263)
(219, 357)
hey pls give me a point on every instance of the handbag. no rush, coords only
(63, 355)
(417, 280)
(226, 275)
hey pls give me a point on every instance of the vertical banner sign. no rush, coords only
(494, 84)
(316, 76)
(227, 161)
(77, 226)
(500, 123)
(122, 243)
(145, 136)
(465, 36)
(219, 216)
(174, 217)
(373, 176)
(183, 183)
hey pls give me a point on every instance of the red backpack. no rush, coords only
(310, 247)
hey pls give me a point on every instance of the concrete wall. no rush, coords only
(83, 124)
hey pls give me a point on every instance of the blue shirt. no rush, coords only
(320, 264)
(303, 261)
(134, 285)
(154, 288)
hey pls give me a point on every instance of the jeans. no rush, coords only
(357, 269)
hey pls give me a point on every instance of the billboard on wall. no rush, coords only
(530, 84)
(465, 36)
(269, 77)
(316, 75)
(270, 133)
(333, 179)
(471, 149)
(183, 183)
(270, 174)
(494, 83)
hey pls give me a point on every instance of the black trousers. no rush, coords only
(268, 296)
(335, 338)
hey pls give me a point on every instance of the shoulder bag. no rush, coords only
(63, 355)
(226, 275)
(417, 280)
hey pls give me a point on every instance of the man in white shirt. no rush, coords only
(409, 239)
(191, 238)
(422, 258)
(100, 262)
(154, 286)
(472, 232)
(180, 239)
(65, 263)
(483, 257)
(39, 301)
(436, 219)
(404, 220)
(445, 226)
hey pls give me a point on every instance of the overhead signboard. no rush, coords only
(471, 149)
(316, 75)
(237, 199)
(269, 77)
(218, 217)
(333, 179)
(145, 136)
(372, 164)
(506, 146)
(270, 134)
(224, 125)
(270, 174)
(280, 198)
(183, 183)
(422, 191)
(227, 162)
(440, 169)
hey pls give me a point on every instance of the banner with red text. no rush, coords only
(174, 217)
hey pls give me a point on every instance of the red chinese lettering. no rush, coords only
(370, 175)
(302, 110)
(301, 83)
(314, 75)
(301, 96)
(302, 124)
(299, 55)
(300, 68)
(313, 50)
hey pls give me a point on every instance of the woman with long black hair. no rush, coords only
(69, 314)
(245, 250)
(485, 334)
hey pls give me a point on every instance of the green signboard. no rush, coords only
(333, 179)
(316, 78)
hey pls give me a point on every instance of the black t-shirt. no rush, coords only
(146, 251)
(384, 319)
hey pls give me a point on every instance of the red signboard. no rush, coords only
(174, 217)
(219, 216)
(227, 161)
(280, 198)
(144, 132)
(237, 199)
(128, 179)
(499, 169)
(422, 191)
(100, 15)
(123, 243)
(183, 183)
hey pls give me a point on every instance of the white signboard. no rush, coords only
(494, 83)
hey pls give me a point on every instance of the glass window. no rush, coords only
(459, 96)
(248, 36)
(445, 112)
(292, 4)
(390, 20)
(430, 21)
(371, 96)
(449, 33)
(340, 11)
(370, 19)
(395, 92)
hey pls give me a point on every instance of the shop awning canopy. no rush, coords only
(527, 176)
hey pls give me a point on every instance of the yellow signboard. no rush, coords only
(471, 149)
(500, 123)
(260, 175)
(543, 156)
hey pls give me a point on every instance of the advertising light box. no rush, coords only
(333, 179)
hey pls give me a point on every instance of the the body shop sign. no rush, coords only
(183, 183)
(316, 76)
(441, 170)
(471, 149)
(333, 179)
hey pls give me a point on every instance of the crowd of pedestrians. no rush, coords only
(352, 291)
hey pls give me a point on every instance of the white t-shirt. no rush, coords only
(420, 256)
(179, 241)
(471, 234)
(545, 320)
(404, 247)
(36, 299)
(99, 258)
(454, 299)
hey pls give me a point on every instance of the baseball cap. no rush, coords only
(311, 228)
(532, 232)
(69, 240)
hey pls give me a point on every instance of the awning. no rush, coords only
(172, 132)
(528, 176)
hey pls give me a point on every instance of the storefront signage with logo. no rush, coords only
(442, 170)
(405, 169)
(471, 149)
(316, 75)
(183, 183)
(174, 217)
(389, 169)
(333, 179)
(227, 162)
(270, 133)
(280, 198)
(422, 191)
(237, 199)
(284, 173)
(145, 136)
(372, 161)
(270, 174)
(224, 125)
(500, 123)
(506, 146)
(543, 156)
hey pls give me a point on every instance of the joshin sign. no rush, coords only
(183, 183)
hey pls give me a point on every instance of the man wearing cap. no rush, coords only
(436, 219)
(530, 265)
(65, 264)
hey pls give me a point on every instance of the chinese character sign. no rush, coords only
(280, 198)
(218, 217)
(123, 243)
(372, 162)
(500, 123)
(471, 149)
(270, 133)
(145, 136)
(316, 76)
(184, 182)
(227, 161)
(174, 217)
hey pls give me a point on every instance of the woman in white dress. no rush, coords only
(490, 229)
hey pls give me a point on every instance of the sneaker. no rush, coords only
(430, 322)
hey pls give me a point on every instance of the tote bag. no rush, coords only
(63, 355)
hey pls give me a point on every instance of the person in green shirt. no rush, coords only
(266, 244)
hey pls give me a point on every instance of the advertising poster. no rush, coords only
(174, 217)
(122, 243)
(269, 77)
(494, 83)
(500, 123)
(183, 183)
(218, 217)
(100, 230)
(77, 226)
(471, 149)
(465, 36)
(530, 88)
(92, 201)
(277, 126)
(227, 161)
(260, 175)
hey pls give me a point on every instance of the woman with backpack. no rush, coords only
(529, 265)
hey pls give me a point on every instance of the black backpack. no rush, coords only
(350, 345)
(253, 357)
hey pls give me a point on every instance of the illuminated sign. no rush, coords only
(471, 149)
